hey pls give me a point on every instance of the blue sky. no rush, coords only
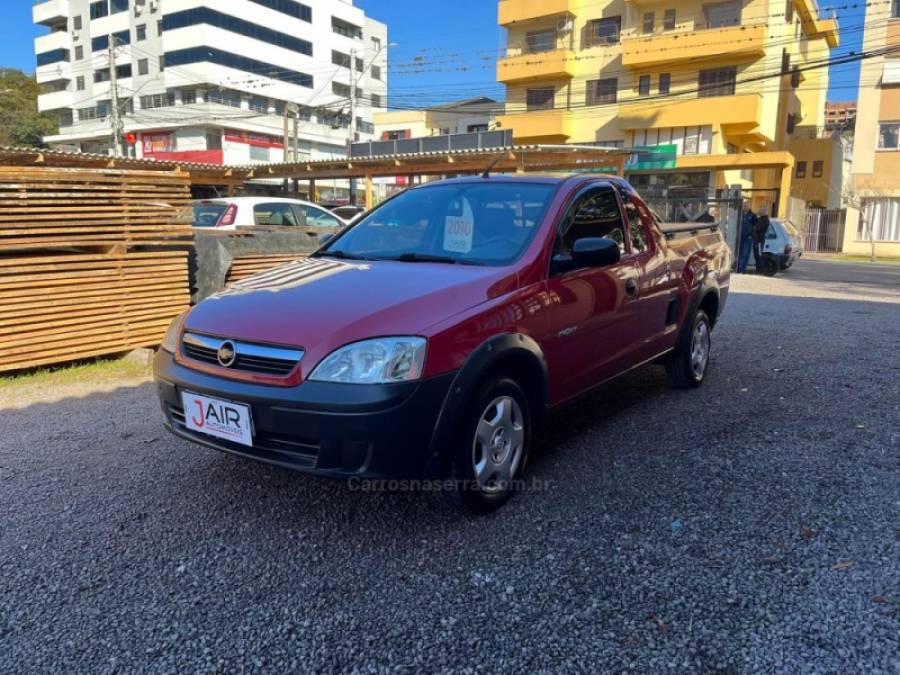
(445, 49)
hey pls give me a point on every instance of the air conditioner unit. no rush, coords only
(565, 25)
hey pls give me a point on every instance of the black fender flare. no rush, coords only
(704, 288)
(482, 359)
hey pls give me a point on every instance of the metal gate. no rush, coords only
(824, 230)
(700, 205)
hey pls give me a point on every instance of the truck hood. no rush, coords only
(323, 303)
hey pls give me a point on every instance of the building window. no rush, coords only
(122, 72)
(49, 58)
(665, 83)
(116, 6)
(203, 54)
(213, 140)
(364, 126)
(606, 31)
(143, 67)
(895, 9)
(159, 28)
(717, 82)
(101, 42)
(649, 19)
(475, 128)
(376, 44)
(789, 11)
(340, 59)
(295, 9)
(224, 97)
(162, 63)
(188, 97)
(210, 17)
(818, 167)
(99, 9)
(340, 89)
(79, 53)
(376, 101)
(889, 136)
(644, 85)
(346, 28)
(76, 22)
(376, 72)
(540, 41)
(79, 83)
(260, 105)
(540, 99)
(669, 19)
(801, 169)
(259, 153)
(602, 91)
(883, 216)
(691, 140)
(140, 32)
(158, 100)
(723, 14)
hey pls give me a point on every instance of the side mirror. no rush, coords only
(325, 237)
(595, 252)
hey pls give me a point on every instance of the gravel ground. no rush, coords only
(752, 525)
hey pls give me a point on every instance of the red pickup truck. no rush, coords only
(431, 338)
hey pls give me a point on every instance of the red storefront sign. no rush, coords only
(250, 138)
(155, 143)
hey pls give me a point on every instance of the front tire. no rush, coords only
(493, 444)
(688, 365)
(769, 267)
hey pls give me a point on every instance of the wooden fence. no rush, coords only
(92, 261)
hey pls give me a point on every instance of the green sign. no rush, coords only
(651, 157)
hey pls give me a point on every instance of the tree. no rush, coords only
(20, 122)
(852, 197)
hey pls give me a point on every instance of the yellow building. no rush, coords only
(717, 88)
(875, 175)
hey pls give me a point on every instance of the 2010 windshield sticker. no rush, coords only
(459, 230)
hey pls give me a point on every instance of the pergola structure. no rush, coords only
(516, 159)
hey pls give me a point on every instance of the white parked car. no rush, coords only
(234, 212)
(784, 244)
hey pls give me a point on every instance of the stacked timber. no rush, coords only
(248, 265)
(92, 261)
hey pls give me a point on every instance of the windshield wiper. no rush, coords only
(343, 255)
(426, 257)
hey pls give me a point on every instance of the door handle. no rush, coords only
(631, 287)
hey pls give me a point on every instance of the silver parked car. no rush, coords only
(784, 244)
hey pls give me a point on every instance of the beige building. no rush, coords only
(458, 117)
(876, 148)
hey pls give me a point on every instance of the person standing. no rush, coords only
(760, 229)
(748, 226)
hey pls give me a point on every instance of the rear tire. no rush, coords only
(689, 363)
(492, 445)
(769, 267)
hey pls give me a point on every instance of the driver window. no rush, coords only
(594, 214)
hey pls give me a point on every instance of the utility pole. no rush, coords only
(115, 117)
(353, 81)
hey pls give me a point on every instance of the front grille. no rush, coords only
(249, 357)
(301, 452)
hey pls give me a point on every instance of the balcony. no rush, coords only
(514, 11)
(539, 126)
(737, 116)
(551, 65)
(50, 13)
(55, 100)
(52, 41)
(663, 48)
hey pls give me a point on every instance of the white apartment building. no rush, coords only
(208, 80)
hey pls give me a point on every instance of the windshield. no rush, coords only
(488, 223)
(207, 215)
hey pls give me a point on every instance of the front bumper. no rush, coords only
(337, 430)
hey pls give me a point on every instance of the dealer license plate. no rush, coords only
(227, 420)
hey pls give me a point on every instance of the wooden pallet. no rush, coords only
(246, 266)
(92, 261)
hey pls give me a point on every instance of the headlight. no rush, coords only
(378, 361)
(170, 341)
